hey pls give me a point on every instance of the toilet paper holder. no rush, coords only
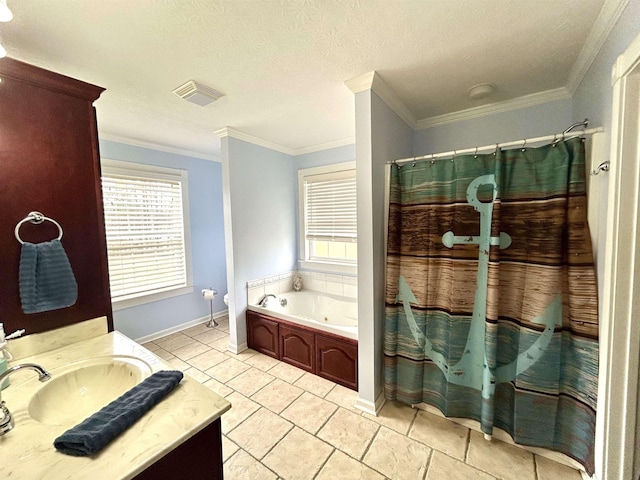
(208, 294)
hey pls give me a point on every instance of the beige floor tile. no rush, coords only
(250, 381)
(314, 384)
(220, 388)
(196, 330)
(440, 433)
(151, 346)
(222, 344)
(344, 467)
(163, 354)
(178, 364)
(225, 371)
(309, 412)
(298, 456)
(241, 409)
(197, 375)
(343, 396)
(210, 336)
(397, 456)
(262, 362)
(242, 466)
(444, 467)
(395, 415)
(277, 395)
(189, 351)
(500, 459)
(243, 355)
(174, 341)
(286, 372)
(260, 432)
(349, 432)
(550, 470)
(208, 359)
(228, 448)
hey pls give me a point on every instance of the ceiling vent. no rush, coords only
(197, 93)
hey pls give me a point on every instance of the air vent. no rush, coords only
(197, 93)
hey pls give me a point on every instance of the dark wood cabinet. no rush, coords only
(324, 354)
(297, 347)
(263, 335)
(49, 162)
(337, 361)
(199, 457)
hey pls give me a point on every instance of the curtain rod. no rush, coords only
(523, 143)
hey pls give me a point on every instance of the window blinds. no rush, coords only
(330, 206)
(145, 234)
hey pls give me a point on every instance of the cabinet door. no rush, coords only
(337, 360)
(297, 347)
(262, 335)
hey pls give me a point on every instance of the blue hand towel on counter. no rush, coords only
(45, 277)
(99, 429)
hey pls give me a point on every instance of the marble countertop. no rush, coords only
(28, 452)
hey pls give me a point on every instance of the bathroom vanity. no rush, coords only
(180, 437)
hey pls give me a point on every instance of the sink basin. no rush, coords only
(77, 391)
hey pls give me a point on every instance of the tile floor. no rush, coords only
(288, 424)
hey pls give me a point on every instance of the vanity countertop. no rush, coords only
(28, 452)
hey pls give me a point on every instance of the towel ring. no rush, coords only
(36, 218)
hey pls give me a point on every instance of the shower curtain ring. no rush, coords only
(496, 150)
(475, 154)
(453, 156)
(524, 145)
(555, 140)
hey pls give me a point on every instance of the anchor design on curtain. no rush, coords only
(472, 370)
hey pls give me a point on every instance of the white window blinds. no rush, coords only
(330, 206)
(145, 232)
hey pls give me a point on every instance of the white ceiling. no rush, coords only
(283, 63)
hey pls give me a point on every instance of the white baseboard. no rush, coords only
(233, 348)
(370, 407)
(177, 328)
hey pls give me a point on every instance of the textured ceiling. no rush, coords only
(282, 64)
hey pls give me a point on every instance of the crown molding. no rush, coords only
(373, 81)
(157, 146)
(325, 146)
(245, 137)
(606, 20)
(521, 102)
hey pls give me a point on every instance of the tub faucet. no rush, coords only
(263, 302)
(6, 422)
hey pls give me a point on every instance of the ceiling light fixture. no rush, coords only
(5, 13)
(481, 90)
(197, 93)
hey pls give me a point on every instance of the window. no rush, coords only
(146, 223)
(328, 214)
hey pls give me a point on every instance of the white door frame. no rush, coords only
(617, 411)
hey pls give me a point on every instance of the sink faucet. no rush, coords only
(6, 422)
(263, 302)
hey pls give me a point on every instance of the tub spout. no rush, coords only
(263, 302)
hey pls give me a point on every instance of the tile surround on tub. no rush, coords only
(342, 285)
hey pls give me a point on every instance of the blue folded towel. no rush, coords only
(45, 277)
(99, 429)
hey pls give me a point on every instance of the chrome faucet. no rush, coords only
(6, 422)
(263, 302)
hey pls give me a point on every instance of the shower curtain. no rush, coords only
(491, 300)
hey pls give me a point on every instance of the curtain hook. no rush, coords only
(413, 164)
(453, 156)
(524, 145)
(496, 150)
(475, 154)
(555, 140)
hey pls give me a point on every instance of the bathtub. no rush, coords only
(322, 311)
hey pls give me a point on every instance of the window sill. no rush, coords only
(341, 268)
(150, 298)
